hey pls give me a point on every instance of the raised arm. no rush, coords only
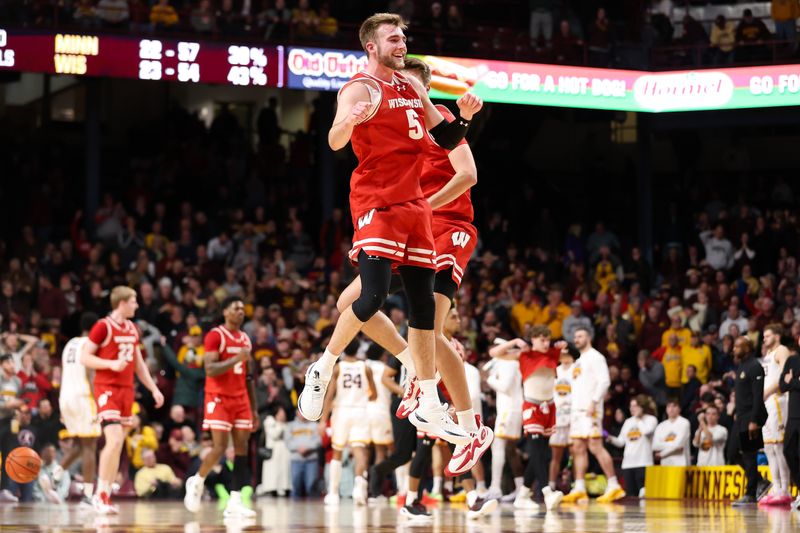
(353, 108)
(447, 134)
(509, 349)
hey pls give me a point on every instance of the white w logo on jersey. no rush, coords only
(366, 219)
(460, 239)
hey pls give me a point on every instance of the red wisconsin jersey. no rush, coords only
(228, 344)
(389, 145)
(115, 341)
(530, 361)
(437, 171)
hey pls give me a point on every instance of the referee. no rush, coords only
(751, 413)
(790, 381)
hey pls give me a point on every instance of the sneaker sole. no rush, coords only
(306, 416)
(477, 457)
(436, 431)
(555, 503)
(488, 508)
(417, 517)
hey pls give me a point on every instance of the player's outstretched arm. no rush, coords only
(465, 178)
(447, 134)
(354, 106)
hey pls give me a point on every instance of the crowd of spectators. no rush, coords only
(185, 238)
(635, 34)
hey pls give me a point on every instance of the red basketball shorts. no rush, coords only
(224, 413)
(539, 418)
(455, 241)
(400, 232)
(114, 403)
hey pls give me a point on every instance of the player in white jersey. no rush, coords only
(348, 395)
(777, 410)
(505, 379)
(559, 440)
(590, 382)
(78, 408)
(379, 409)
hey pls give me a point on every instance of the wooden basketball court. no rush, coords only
(312, 516)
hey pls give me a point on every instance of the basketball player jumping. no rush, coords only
(352, 389)
(446, 179)
(230, 407)
(386, 116)
(112, 350)
(79, 409)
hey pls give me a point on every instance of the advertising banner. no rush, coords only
(700, 482)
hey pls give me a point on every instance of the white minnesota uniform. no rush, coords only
(777, 403)
(349, 421)
(562, 397)
(590, 382)
(379, 410)
(75, 399)
(506, 380)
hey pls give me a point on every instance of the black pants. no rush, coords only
(538, 467)
(405, 441)
(634, 480)
(791, 448)
(742, 453)
(8, 441)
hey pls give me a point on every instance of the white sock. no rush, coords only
(466, 419)
(88, 489)
(552, 485)
(334, 476)
(437, 485)
(326, 363)
(236, 496)
(519, 482)
(498, 462)
(480, 486)
(448, 485)
(778, 469)
(613, 483)
(411, 496)
(783, 467)
(401, 475)
(580, 485)
(430, 396)
(103, 487)
(405, 358)
(201, 478)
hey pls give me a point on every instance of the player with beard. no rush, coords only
(386, 117)
(777, 410)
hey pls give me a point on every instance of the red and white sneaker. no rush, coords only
(410, 399)
(101, 503)
(466, 456)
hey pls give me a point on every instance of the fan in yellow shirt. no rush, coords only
(676, 328)
(524, 312)
(697, 355)
(553, 314)
(672, 364)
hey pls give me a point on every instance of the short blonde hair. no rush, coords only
(120, 293)
(368, 28)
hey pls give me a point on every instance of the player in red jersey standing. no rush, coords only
(537, 364)
(230, 407)
(112, 350)
(386, 116)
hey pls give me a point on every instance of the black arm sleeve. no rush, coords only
(449, 134)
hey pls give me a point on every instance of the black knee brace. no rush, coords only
(376, 275)
(443, 284)
(418, 284)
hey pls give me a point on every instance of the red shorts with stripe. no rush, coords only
(114, 403)
(455, 241)
(400, 232)
(539, 418)
(225, 413)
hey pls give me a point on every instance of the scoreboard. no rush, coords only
(145, 59)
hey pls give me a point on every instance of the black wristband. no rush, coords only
(449, 134)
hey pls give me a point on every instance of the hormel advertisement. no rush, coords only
(562, 86)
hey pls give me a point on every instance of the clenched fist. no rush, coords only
(468, 105)
(360, 112)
